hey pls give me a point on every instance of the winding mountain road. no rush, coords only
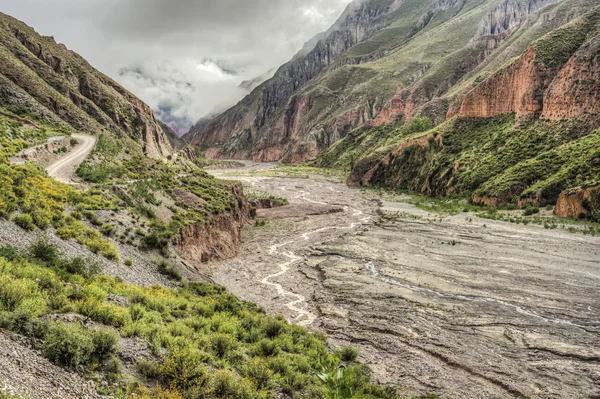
(63, 170)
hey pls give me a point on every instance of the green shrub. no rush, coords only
(68, 345)
(266, 348)
(258, 372)
(348, 354)
(93, 218)
(184, 368)
(25, 221)
(86, 267)
(165, 269)
(42, 250)
(128, 262)
(108, 230)
(273, 328)
(221, 344)
(106, 344)
(531, 210)
(150, 369)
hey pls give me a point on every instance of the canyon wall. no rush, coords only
(218, 238)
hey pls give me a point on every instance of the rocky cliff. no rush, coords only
(219, 237)
(43, 80)
(579, 202)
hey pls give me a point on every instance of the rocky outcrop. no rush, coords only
(516, 89)
(509, 15)
(575, 93)
(45, 81)
(557, 78)
(219, 237)
(579, 201)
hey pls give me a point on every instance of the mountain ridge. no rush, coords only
(43, 80)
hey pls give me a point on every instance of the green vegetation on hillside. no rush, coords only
(34, 201)
(364, 141)
(204, 341)
(495, 157)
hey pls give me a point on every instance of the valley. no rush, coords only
(457, 305)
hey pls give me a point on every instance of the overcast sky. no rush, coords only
(185, 58)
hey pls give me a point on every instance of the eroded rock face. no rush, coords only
(217, 239)
(576, 90)
(516, 89)
(580, 201)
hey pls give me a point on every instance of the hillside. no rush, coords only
(380, 64)
(523, 136)
(41, 80)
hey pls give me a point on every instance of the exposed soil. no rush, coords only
(459, 306)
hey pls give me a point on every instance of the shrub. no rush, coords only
(273, 328)
(259, 373)
(530, 210)
(348, 354)
(25, 221)
(221, 344)
(12, 294)
(165, 269)
(184, 368)
(105, 344)
(128, 262)
(108, 230)
(224, 385)
(93, 218)
(42, 250)
(84, 267)
(68, 345)
(266, 348)
(150, 369)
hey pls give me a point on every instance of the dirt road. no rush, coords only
(460, 306)
(64, 169)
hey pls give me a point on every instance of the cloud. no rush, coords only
(185, 58)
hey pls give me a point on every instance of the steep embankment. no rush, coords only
(412, 57)
(44, 81)
(524, 135)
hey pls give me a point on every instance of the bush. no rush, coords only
(165, 269)
(221, 344)
(273, 328)
(84, 267)
(530, 210)
(45, 251)
(108, 230)
(150, 369)
(128, 262)
(348, 354)
(105, 344)
(93, 218)
(68, 345)
(259, 373)
(185, 368)
(25, 221)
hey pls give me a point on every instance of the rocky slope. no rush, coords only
(523, 135)
(44, 81)
(382, 63)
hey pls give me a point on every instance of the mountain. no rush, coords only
(43, 81)
(528, 134)
(383, 62)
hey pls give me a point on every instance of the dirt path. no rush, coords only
(460, 306)
(64, 169)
